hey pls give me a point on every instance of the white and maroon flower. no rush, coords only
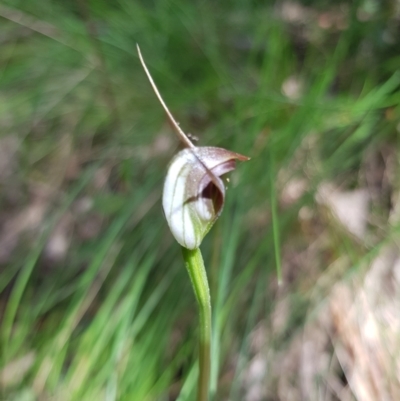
(194, 193)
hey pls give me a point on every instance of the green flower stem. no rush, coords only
(197, 272)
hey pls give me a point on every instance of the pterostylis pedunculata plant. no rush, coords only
(193, 198)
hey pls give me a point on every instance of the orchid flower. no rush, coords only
(194, 194)
(193, 198)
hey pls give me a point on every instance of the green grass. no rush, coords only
(115, 317)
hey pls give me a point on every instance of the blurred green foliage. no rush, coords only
(110, 316)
